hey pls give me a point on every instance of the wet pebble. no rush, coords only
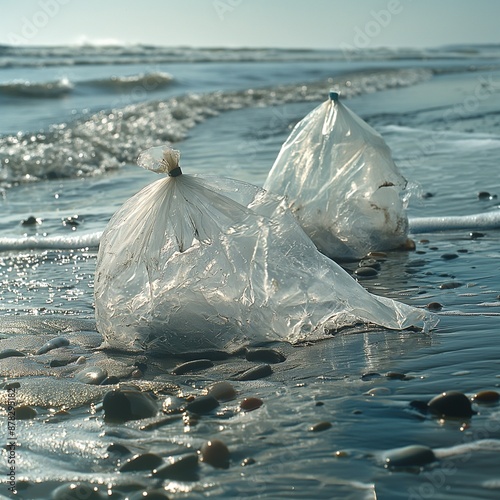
(215, 453)
(25, 412)
(378, 391)
(137, 374)
(450, 285)
(251, 403)
(56, 363)
(30, 221)
(71, 221)
(373, 263)
(222, 391)
(377, 256)
(248, 461)
(264, 355)
(118, 449)
(396, 376)
(92, 375)
(434, 306)
(192, 366)
(452, 404)
(8, 385)
(486, 397)
(474, 235)
(145, 461)
(173, 405)
(365, 272)
(370, 376)
(76, 490)
(202, 404)
(449, 256)
(123, 405)
(254, 373)
(11, 353)
(485, 195)
(184, 469)
(409, 456)
(112, 380)
(320, 426)
(54, 343)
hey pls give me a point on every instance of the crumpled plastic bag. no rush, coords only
(192, 263)
(341, 183)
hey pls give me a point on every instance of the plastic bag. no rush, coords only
(341, 182)
(194, 263)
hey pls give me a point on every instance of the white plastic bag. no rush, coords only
(194, 263)
(341, 182)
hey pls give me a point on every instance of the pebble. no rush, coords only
(264, 355)
(249, 404)
(30, 221)
(173, 405)
(434, 306)
(486, 397)
(56, 363)
(184, 469)
(320, 426)
(409, 244)
(365, 272)
(137, 373)
(76, 490)
(485, 195)
(112, 380)
(450, 284)
(378, 391)
(192, 366)
(145, 461)
(377, 255)
(449, 256)
(202, 404)
(123, 405)
(452, 404)
(25, 412)
(375, 264)
(396, 376)
(8, 385)
(414, 455)
(92, 375)
(370, 376)
(53, 344)
(247, 461)
(11, 353)
(215, 453)
(71, 221)
(474, 235)
(118, 448)
(222, 391)
(254, 373)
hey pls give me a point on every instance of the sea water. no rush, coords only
(73, 121)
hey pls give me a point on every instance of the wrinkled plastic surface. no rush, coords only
(197, 262)
(341, 182)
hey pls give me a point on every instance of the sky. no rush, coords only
(326, 24)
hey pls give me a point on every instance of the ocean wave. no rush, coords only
(152, 80)
(110, 139)
(25, 88)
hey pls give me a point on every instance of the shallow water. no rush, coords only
(447, 146)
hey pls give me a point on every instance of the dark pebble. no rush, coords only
(53, 344)
(474, 235)
(449, 256)
(118, 448)
(249, 404)
(93, 375)
(202, 404)
(365, 272)
(30, 221)
(215, 453)
(211, 354)
(484, 195)
(71, 221)
(321, 426)
(370, 376)
(420, 406)
(264, 355)
(8, 385)
(25, 412)
(319, 403)
(222, 391)
(137, 374)
(56, 363)
(174, 405)
(450, 284)
(410, 456)
(184, 469)
(76, 490)
(451, 404)
(123, 405)
(486, 397)
(11, 353)
(357, 412)
(462, 250)
(373, 263)
(381, 256)
(254, 373)
(146, 461)
(395, 376)
(192, 366)
(247, 461)
(434, 306)
(112, 380)
(427, 195)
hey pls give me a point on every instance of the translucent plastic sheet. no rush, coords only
(341, 182)
(198, 262)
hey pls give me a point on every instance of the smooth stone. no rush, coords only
(11, 353)
(486, 397)
(112, 380)
(123, 405)
(202, 404)
(75, 491)
(192, 366)
(415, 455)
(146, 461)
(485, 195)
(376, 255)
(450, 285)
(215, 453)
(184, 469)
(373, 263)
(149, 495)
(119, 449)
(434, 306)
(452, 404)
(25, 412)
(137, 373)
(365, 272)
(378, 391)
(254, 373)
(92, 375)
(474, 235)
(249, 404)
(395, 376)
(263, 355)
(320, 426)
(449, 256)
(57, 363)
(248, 461)
(30, 221)
(420, 406)
(173, 405)
(370, 376)
(54, 343)
(222, 391)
